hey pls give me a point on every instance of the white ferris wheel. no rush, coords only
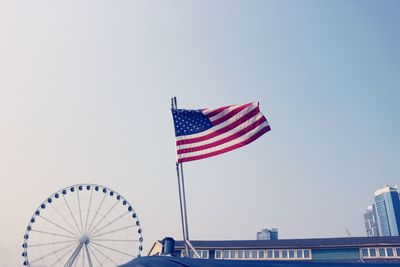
(83, 225)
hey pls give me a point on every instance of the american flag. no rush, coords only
(209, 132)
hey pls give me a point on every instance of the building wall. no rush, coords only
(350, 254)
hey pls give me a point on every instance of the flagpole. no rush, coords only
(182, 198)
(184, 202)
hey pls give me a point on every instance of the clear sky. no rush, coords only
(85, 91)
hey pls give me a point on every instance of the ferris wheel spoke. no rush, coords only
(72, 215)
(70, 212)
(91, 244)
(88, 209)
(62, 218)
(116, 240)
(114, 231)
(83, 257)
(52, 253)
(62, 257)
(56, 224)
(111, 222)
(74, 256)
(112, 249)
(51, 243)
(89, 259)
(94, 254)
(80, 209)
(53, 234)
(77, 259)
(103, 217)
(97, 212)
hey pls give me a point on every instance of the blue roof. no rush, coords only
(295, 243)
(185, 262)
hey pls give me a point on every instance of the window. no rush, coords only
(389, 252)
(240, 254)
(364, 252)
(382, 252)
(247, 254)
(269, 254)
(226, 254)
(372, 252)
(306, 253)
(291, 254)
(261, 254)
(204, 254)
(218, 254)
(398, 252)
(276, 254)
(232, 254)
(254, 254)
(299, 254)
(284, 254)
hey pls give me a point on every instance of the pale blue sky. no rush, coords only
(85, 91)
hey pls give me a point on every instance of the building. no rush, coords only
(346, 249)
(383, 218)
(371, 221)
(267, 234)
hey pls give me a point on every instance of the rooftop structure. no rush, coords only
(346, 249)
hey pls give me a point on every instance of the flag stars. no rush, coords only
(190, 122)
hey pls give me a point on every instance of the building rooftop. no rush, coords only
(295, 243)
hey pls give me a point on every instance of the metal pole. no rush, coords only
(182, 204)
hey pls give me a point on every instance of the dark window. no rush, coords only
(276, 254)
(218, 254)
(254, 254)
(389, 252)
(291, 254)
(299, 254)
(284, 254)
(372, 252)
(398, 252)
(247, 254)
(382, 252)
(269, 254)
(306, 254)
(240, 254)
(364, 252)
(232, 254)
(226, 254)
(261, 254)
(205, 254)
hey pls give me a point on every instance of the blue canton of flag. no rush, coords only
(190, 122)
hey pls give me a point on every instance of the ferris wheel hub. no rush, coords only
(84, 239)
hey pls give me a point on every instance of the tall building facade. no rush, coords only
(371, 221)
(387, 204)
(267, 234)
(383, 217)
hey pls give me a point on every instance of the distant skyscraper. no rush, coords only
(387, 204)
(371, 221)
(383, 217)
(267, 234)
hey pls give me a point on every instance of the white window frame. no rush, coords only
(259, 252)
(215, 254)
(393, 251)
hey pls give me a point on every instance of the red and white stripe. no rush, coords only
(233, 127)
